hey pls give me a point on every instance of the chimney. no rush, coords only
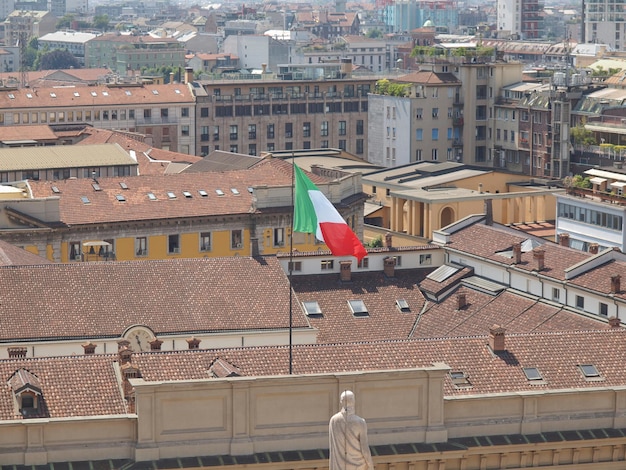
(389, 266)
(254, 247)
(480, 188)
(188, 74)
(346, 67)
(155, 345)
(496, 338)
(564, 239)
(345, 271)
(89, 348)
(539, 255)
(615, 322)
(389, 240)
(594, 248)
(171, 77)
(517, 253)
(193, 342)
(461, 301)
(615, 284)
(488, 212)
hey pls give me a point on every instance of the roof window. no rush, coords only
(219, 192)
(53, 94)
(76, 94)
(123, 185)
(358, 308)
(93, 93)
(11, 96)
(55, 189)
(155, 92)
(235, 191)
(532, 373)
(203, 193)
(128, 93)
(105, 93)
(403, 305)
(312, 308)
(590, 372)
(460, 379)
(96, 187)
(152, 197)
(85, 200)
(29, 95)
(120, 198)
(171, 195)
(187, 194)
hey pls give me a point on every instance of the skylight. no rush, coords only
(312, 308)
(358, 308)
(120, 198)
(93, 93)
(11, 96)
(152, 197)
(532, 373)
(29, 95)
(403, 305)
(85, 199)
(171, 195)
(123, 185)
(235, 191)
(105, 93)
(76, 94)
(177, 91)
(219, 192)
(203, 193)
(589, 370)
(250, 189)
(53, 94)
(460, 379)
(55, 189)
(128, 93)
(155, 92)
(187, 194)
(96, 187)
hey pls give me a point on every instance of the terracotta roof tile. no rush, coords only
(11, 255)
(182, 295)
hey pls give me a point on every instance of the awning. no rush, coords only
(618, 184)
(597, 180)
(97, 243)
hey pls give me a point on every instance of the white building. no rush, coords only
(605, 22)
(71, 41)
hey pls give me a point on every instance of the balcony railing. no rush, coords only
(602, 196)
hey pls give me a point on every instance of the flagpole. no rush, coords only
(293, 173)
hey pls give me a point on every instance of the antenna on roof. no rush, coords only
(93, 176)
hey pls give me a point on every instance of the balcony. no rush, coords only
(457, 122)
(457, 143)
(601, 196)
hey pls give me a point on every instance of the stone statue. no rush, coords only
(349, 449)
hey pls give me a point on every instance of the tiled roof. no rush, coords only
(131, 39)
(11, 255)
(488, 241)
(103, 205)
(16, 133)
(555, 355)
(99, 95)
(337, 324)
(69, 386)
(152, 161)
(516, 313)
(220, 160)
(429, 77)
(90, 300)
(599, 279)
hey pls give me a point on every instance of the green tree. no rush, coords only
(582, 136)
(374, 34)
(101, 22)
(57, 59)
(376, 242)
(65, 22)
(385, 87)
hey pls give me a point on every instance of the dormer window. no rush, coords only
(27, 391)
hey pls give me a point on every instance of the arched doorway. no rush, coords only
(447, 216)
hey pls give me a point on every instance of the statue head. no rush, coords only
(346, 399)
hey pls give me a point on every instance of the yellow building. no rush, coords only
(419, 198)
(212, 214)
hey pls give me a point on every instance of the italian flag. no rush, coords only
(313, 213)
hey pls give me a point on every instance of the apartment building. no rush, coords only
(28, 24)
(71, 41)
(124, 53)
(165, 112)
(272, 114)
(605, 22)
(423, 125)
(520, 19)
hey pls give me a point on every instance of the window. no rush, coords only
(251, 149)
(312, 308)
(556, 294)
(164, 112)
(306, 129)
(236, 239)
(184, 112)
(270, 131)
(141, 246)
(589, 370)
(294, 266)
(426, 259)
(435, 113)
(358, 308)
(173, 244)
(288, 130)
(359, 146)
(419, 134)
(147, 113)
(234, 132)
(327, 264)
(460, 379)
(342, 127)
(604, 309)
(204, 112)
(532, 373)
(580, 302)
(205, 241)
(359, 127)
(324, 128)
(279, 237)
(74, 251)
(435, 134)
(364, 263)
(184, 130)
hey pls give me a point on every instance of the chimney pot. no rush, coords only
(564, 239)
(389, 266)
(496, 338)
(345, 271)
(615, 284)
(517, 253)
(594, 248)
(539, 255)
(615, 322)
